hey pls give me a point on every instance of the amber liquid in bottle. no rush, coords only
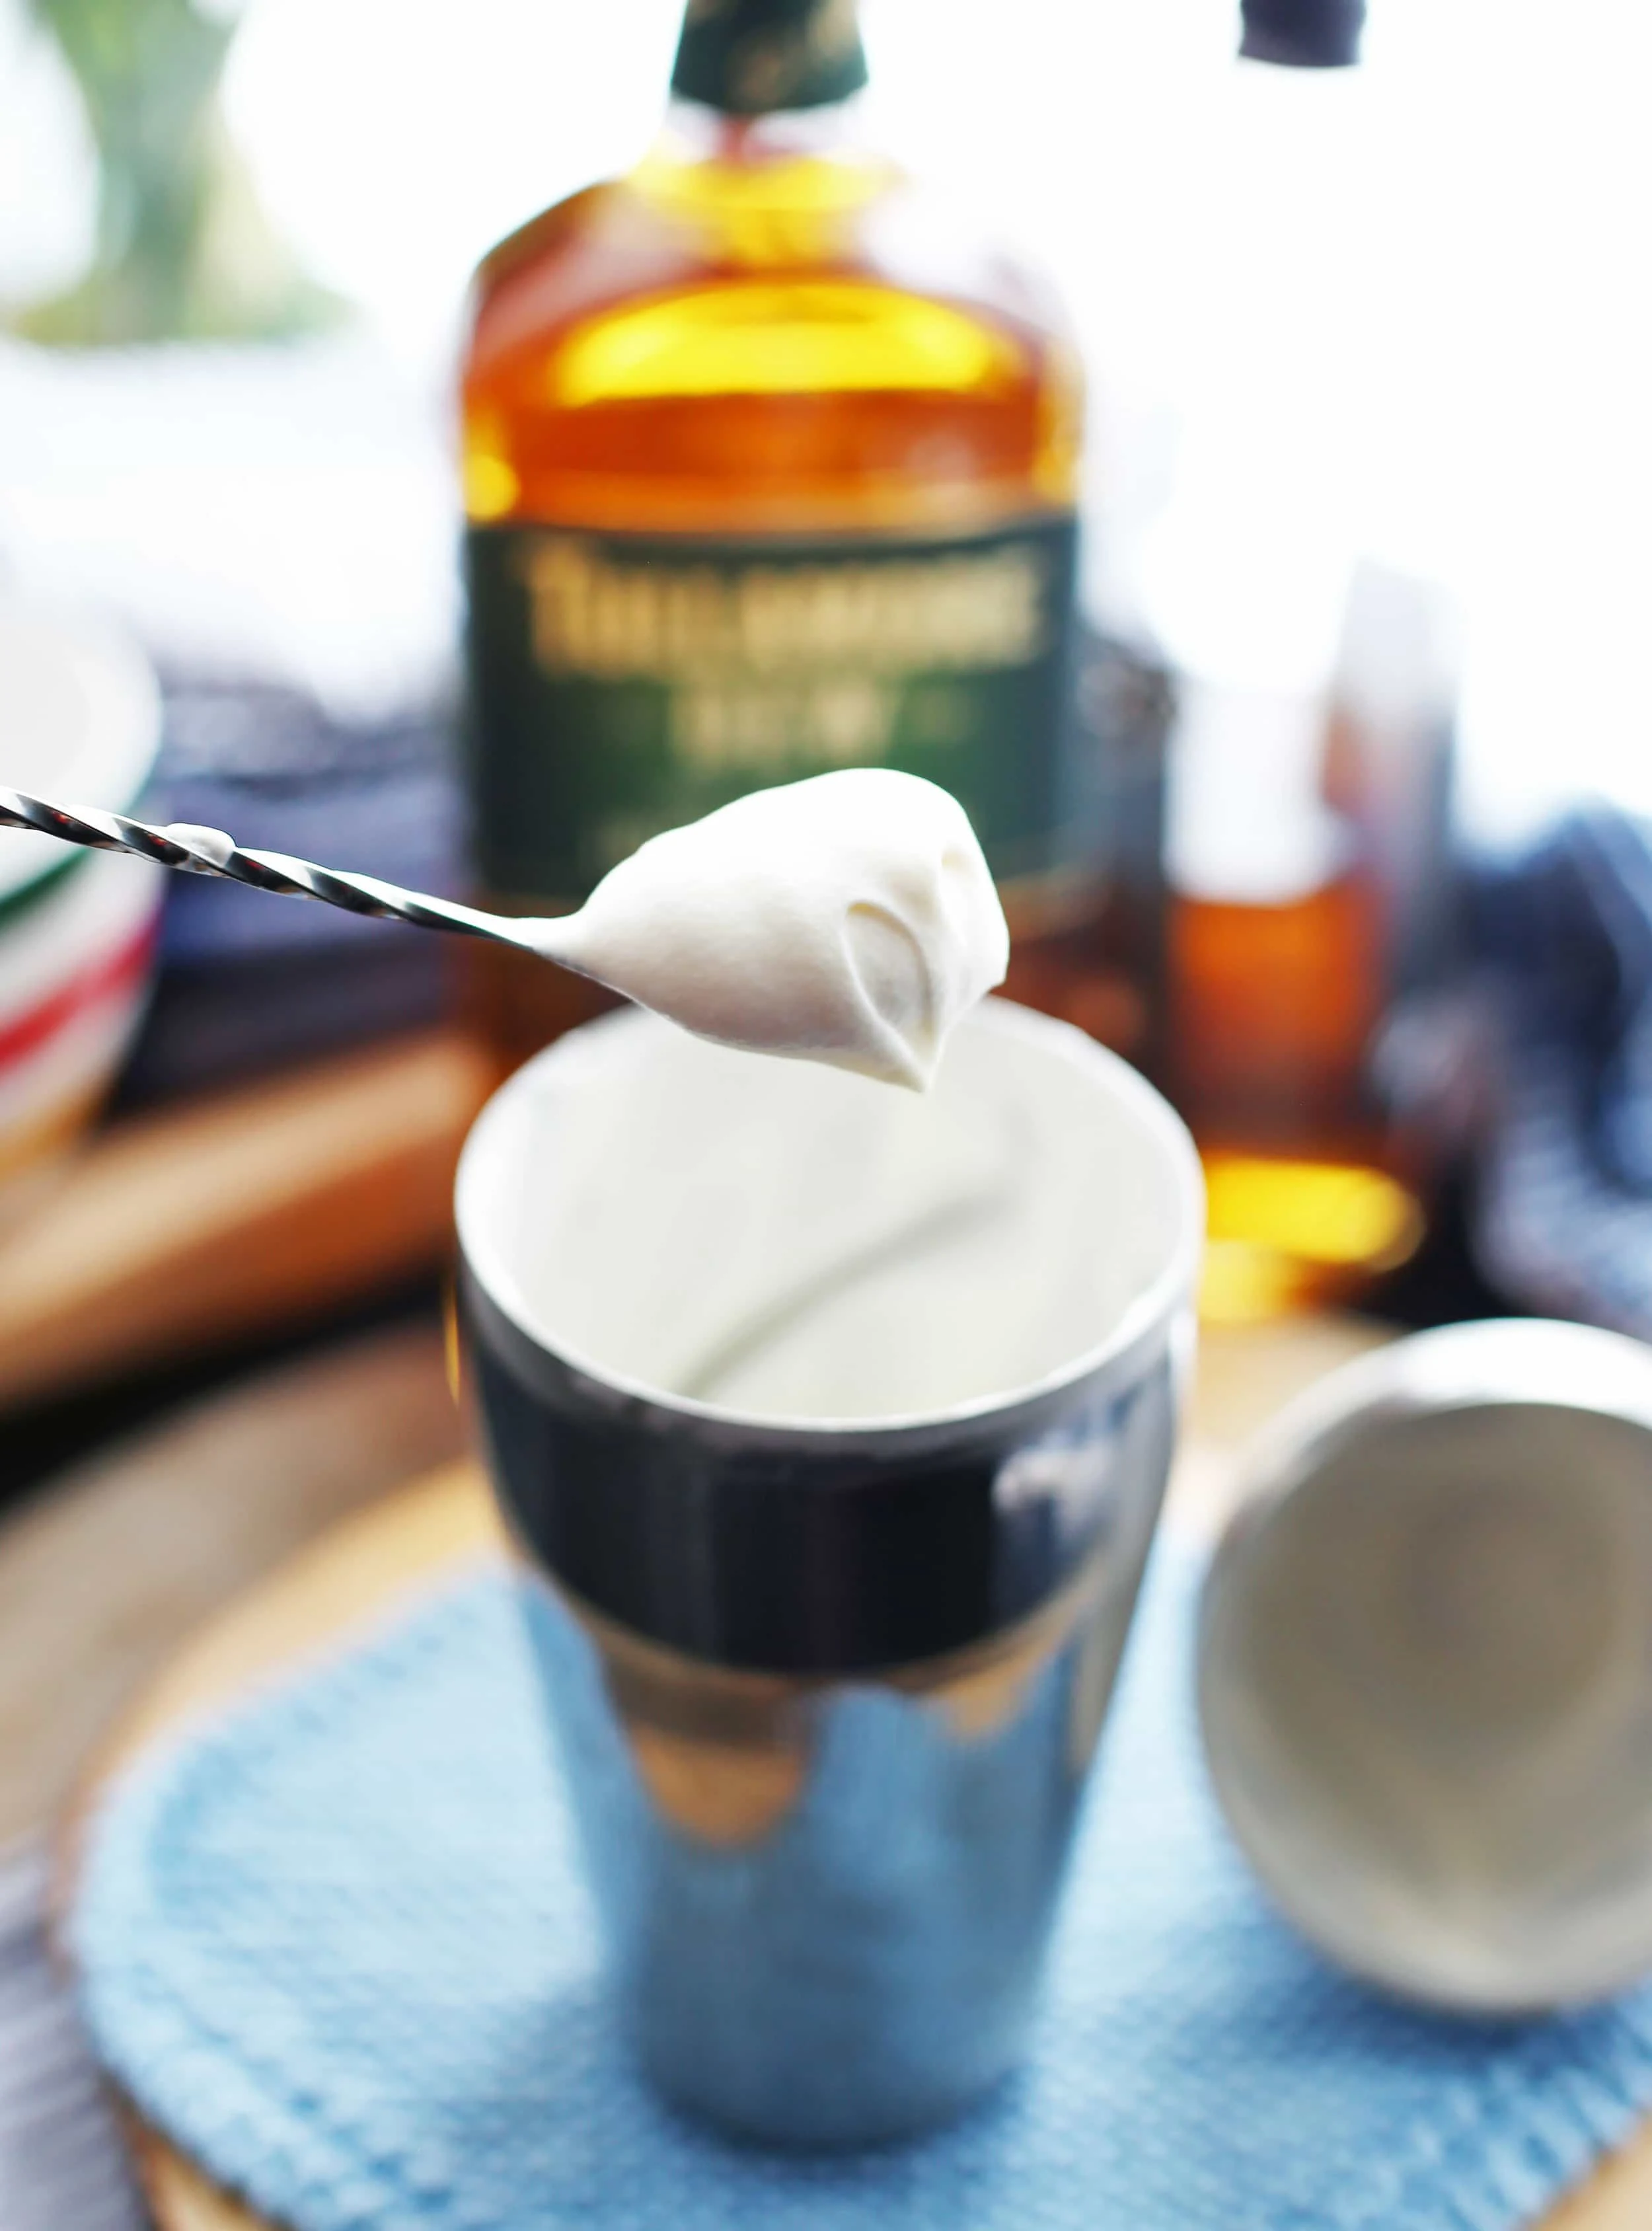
(1276, 1005)
(1274, 1012)
(758, 341)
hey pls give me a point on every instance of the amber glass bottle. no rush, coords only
(767, 472)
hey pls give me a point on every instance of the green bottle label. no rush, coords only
(749, 57)
(625, 683)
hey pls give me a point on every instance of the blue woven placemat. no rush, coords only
(337, 1948)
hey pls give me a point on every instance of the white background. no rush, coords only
(1405, 304)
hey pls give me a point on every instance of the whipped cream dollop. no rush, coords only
(849, 919)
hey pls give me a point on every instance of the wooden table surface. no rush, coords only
(202, 1223)
(363, 1564)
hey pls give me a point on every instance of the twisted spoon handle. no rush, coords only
(210, 852)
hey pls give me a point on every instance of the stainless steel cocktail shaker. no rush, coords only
(1425, 1667)
(827, 1689)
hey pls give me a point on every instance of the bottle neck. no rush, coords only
(692, 132)
(756, 59)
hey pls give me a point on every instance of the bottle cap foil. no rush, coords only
(1425, 1667)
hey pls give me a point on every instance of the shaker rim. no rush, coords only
(1148, 1318)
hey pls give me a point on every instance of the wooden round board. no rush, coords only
(357, 1571)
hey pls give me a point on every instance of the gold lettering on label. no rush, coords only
(715, 729)
(719, 727)
(852, 722)
(609, 620)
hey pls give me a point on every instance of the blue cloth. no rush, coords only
(1565, 938)
(338, 1947)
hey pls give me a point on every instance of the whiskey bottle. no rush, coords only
(1309, 937)
(1308, 885)
(768, 472)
